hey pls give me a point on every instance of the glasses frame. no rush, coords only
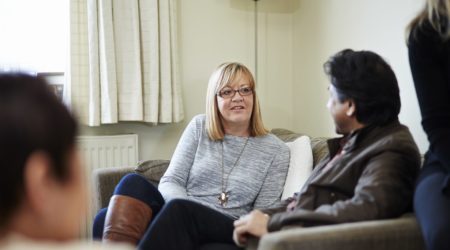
(236, 91)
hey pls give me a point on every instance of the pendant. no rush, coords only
(223, 199)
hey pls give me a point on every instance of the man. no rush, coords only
(370, 171)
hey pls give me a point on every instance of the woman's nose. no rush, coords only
(237, 97)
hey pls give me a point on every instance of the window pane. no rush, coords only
(34, 35)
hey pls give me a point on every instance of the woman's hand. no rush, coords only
(254, 223)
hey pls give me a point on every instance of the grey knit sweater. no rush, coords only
(195, 171)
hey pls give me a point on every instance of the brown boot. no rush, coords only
(126, 220)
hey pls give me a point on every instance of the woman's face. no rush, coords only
(236, 110)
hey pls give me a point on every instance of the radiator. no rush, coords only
(109, 151)
(103, 152)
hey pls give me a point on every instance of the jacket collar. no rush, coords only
(351, 141)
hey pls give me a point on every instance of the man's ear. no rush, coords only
(351, 108)
(38, 182)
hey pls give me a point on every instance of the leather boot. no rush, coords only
(126, 220)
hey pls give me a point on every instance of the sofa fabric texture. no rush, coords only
(391, 234)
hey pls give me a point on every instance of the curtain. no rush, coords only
(123, 62)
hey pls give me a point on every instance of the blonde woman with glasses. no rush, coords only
(429, 57)
(225, 165)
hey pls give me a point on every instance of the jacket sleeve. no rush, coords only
(174, 181)
(270, 194)
(384, 190)
(429, 61)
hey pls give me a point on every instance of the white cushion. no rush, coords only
(300, 165)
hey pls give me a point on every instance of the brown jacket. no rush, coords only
(374, 179)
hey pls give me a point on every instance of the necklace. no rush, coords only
(223, 197)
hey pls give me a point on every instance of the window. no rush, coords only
(34, 37)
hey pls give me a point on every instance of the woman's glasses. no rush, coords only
(228, 92)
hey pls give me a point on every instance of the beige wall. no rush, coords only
(214, 31)
(325, 27)
(295, 37)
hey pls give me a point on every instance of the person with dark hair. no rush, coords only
(369, 82)
(42, 188)
(370, 171)
(429, 58)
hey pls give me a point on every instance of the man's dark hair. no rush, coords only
(32, 119)
(369, 81)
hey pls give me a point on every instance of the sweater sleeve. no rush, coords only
(384, 190)
(270, 194)
(174, 181)
(429, 61)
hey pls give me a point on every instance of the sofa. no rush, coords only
(390, 234)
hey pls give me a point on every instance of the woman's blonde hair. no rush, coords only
(225, 74)
(435, 12)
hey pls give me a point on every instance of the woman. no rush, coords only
(429, 56)
(42, 189)
(226, 163)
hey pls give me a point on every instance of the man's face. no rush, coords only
(339, 112)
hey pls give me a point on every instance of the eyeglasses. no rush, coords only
(227, 93)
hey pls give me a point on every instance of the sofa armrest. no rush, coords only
(392, 234)
(105, 180)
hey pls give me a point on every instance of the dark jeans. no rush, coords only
(432, 204)
(179, 224)
(184, 224)
(135, 186)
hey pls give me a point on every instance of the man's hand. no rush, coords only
(254, 223)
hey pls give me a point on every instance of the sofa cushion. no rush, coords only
(300, 165)
(319, 144)
(153, 170)
(285, 135)
(319, 147)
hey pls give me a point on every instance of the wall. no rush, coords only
(322, 28)
(295, 38)
(214, 31)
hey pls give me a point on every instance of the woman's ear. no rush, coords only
(351, 108)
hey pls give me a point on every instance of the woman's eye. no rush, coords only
(226, 92)
(246, 90)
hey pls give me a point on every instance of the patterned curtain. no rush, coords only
(123, 62)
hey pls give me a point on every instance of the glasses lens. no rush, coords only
(226, 93)
(245, 91)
